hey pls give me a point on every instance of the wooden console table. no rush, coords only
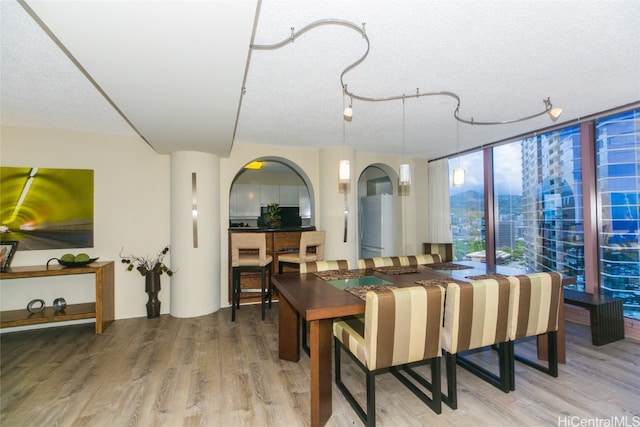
(102, 309)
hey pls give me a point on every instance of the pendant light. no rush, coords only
(458, 172)
(405, 168)
(344, 166)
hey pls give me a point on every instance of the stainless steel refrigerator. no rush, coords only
(376, 226)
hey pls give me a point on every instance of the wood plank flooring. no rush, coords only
(209, 371)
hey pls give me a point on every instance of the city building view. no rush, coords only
(539, 221)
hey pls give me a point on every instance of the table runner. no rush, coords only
(393, 270)
(442, 282)
(361, 291)
(337, 274)
(448, 266)
(487, 276)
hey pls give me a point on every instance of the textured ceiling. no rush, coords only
(501, 57)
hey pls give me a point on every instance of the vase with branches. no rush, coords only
(151, 268)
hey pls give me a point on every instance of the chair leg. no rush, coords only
(451, 399)
(238, 277)
(435, 401)
(262, 294)
(512, 368)
(552, 358)
(234, 279)
(502, 380)
(270, 284)
(371, 399)
(346, 393)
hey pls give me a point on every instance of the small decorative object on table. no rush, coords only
(151, 268)
(7, 250)
(71, 260)
(35, 305)
(59, 304)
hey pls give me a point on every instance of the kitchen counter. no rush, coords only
(268, 229)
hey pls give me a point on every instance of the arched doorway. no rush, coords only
(378, 212)
(271, 180)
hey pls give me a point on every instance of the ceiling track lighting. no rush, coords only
(554, 113)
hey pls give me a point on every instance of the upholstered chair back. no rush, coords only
(398, 261)
(310, 239)
(313, 266)
(256, 242)
(445, 250)
(477, 314)
(401, 326)
(538, 304)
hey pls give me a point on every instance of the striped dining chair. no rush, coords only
(477, 315)
(536, 313)
(313, 267)
(401, 327)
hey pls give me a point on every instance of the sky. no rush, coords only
(507, 177)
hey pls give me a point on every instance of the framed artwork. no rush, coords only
(7, 250)
(46, 208)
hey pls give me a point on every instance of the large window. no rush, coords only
(507, 190)
(539, 218)
(552, 203)
(538, 196)
(618, 174)
(467, 208)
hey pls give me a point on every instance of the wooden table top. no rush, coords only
(315, 298)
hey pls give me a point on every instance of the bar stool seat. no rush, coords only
(249, 253)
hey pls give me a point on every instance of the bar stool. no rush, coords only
(249, 253)
(308, 239)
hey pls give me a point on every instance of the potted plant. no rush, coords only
(151, 268)
(273, 214)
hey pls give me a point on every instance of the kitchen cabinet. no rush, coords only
(244, 201)
(289, 195)
(269, 194)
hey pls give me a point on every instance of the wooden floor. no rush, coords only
(208, 371)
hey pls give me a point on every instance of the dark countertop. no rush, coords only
(267, 229)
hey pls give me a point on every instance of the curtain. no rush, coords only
(439, 203)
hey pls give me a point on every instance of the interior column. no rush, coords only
(195, 233)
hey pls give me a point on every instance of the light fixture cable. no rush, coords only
(554, 113)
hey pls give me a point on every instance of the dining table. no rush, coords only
(319, 299)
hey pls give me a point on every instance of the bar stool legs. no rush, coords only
(266, 289)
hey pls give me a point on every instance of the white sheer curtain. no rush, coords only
(439, 203)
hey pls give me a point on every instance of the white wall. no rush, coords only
(131, 210)
(132, 206)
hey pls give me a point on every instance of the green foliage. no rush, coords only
(274, 211)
